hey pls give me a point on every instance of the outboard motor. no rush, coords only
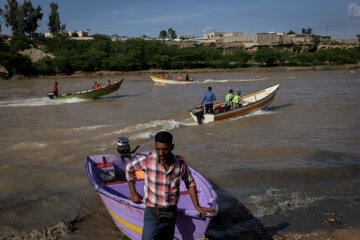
(51, 95)
(199, 113)
(124, 149)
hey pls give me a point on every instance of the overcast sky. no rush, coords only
(337, 18)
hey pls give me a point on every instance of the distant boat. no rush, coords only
(170, 81)
(90, 93)
(250, 103)
(107, 174)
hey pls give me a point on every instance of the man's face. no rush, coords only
(163, 151)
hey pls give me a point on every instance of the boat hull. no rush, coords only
(92, 93)
(129, 216)
(166, 81)
(252, 102)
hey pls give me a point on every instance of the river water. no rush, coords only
(286, 168)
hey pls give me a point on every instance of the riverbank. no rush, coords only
(74, 229)
(198, 70)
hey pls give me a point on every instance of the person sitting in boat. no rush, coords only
(228, 100)
(162, 76)
(179, 77)
(55, 89)
(187, 77)
(169, 77)
(236, 101)
(96, 85)
(208, 98)
(109, 83)
(163, 171)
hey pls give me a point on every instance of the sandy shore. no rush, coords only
(340, 234)
(73, 229)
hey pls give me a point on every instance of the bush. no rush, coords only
(19, 42)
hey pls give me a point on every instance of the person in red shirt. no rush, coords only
(96, 85)
(163, 171)
(55, 89)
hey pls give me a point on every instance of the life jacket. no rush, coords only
(55, 88)
(97, 86)
(236, 99)
(227, 97)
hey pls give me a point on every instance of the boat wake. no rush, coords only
(232, 80)
(27, 145)
(256, 113)
(86, 128)
(149, 129)
(35, 102)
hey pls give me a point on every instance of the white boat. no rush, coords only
(167, 81)
(250, 103)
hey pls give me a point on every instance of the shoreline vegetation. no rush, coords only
(21, 57)
(191, 71)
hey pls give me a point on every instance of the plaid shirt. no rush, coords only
(161, 188)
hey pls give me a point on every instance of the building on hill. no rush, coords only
(80, 34)
(213, 37)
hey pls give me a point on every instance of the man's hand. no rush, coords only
(136, 198)
(204, 211)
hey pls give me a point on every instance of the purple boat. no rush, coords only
(107, 175)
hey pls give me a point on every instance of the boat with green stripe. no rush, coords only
(90, 93)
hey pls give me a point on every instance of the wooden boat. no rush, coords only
(250, 103)
(166, 81)
(90, 93)
(107, 175)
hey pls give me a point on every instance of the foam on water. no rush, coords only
(149, 129)
(253, 114)
(27, 145)
(232, 80)
(274, 201)
(35, 102)
(87, 128)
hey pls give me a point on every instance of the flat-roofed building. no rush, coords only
(79, 33)
(267, 38)
(213, 35)
(300, 38)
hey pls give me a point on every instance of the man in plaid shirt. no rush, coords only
(163, 171)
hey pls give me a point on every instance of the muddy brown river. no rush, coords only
(285, 168)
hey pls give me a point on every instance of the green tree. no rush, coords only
(30, 17)
(54, 24)
(1, 16)
(22, 18)
(291, 32)
(12, 16)
(171, 34)
(163, 34)
(306, 31)
(267, 56)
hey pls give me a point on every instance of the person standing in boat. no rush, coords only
(55, 89)
(163, 171)
(237, 100)
(209, 98)
(228, 100)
